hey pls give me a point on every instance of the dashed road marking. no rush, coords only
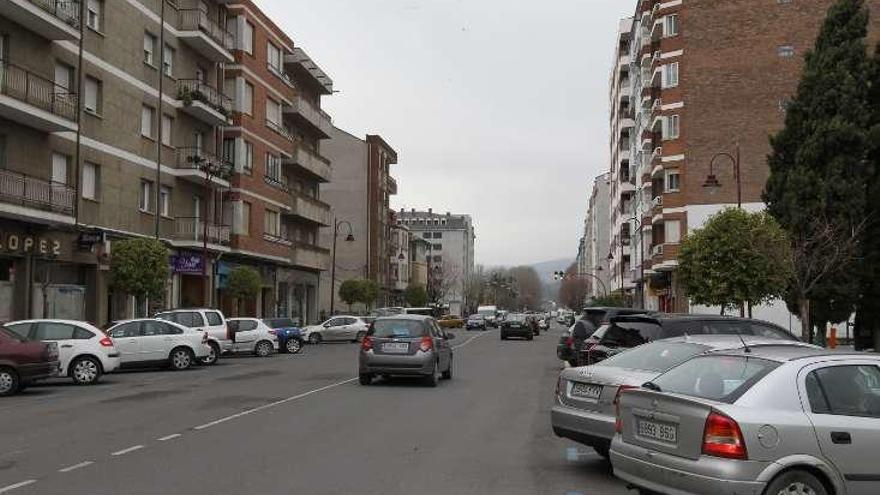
(468, 341)
(17, 485)
(573, 454)
(169, 437)
(75, 467)
(127, 451)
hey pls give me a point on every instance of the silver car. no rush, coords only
(584, 409)
(412, 345)
(766, 420)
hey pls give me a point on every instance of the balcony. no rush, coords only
(308, 114)
(310, 162)
(205, 35)
(276, 182)
(392, 185)
(299, 60)
(30, 198)
(277, 239)
(309, 210)
(35, 101)
(51, 19)
(279, 129)
(204, 102)
(194, 164)
(191, 232)
(310, 257)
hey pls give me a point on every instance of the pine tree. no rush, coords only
(817, 166)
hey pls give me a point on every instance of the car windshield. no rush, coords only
(517, 318)
(393, 328)
(656, 356)
(719, 378)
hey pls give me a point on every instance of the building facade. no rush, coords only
(596, 237)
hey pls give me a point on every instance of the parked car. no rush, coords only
(450, 321)
(624, 332)
(154, 342)
(406, 345)
(252, 336)
(476, 322)
(211, 321)
(517, 325)
(290, 339)
(338, 328)
(23, 362)
(774, 420)
(85, 352)
(584, 408)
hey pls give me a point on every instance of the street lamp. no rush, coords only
(712, 183)
(348, 238)
(562, 276)
(211, 168)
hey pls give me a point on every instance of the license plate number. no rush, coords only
(658, 431)
(586, 390)
(396, 347)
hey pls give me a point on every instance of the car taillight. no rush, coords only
(569, 342)
(426, 344)
(560, 386)
(723, 438)
(367, 343)
(618, 420)
(106, 342)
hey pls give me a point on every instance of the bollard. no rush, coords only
(832, 339)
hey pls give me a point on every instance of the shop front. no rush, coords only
(298, 295)
(264, 305)
(190, 286)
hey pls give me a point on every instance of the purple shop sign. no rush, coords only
(187, 263)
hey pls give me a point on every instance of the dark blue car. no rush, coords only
(289, 336)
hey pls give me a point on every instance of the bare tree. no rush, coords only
(574, 289)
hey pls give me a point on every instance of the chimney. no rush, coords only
(448, 214)
(413, 210)
(430, 211)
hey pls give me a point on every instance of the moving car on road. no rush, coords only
(765, 420)
(585, 396)
(23, 362)
(490, 313)
(406, 345)
(85, 352)
(252, 336)
(290, 339)
(450, 321)
(154, 342)
(211, 321)
(517, 325)
(476, 322)
(338, 328)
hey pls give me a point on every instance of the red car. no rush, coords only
(23, 362)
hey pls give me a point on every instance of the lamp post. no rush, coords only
(712, 181)
(211, 168)
(562, 276)
(348, 238)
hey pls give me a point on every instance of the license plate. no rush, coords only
(396, 347)
(658, 431)
(586, 390)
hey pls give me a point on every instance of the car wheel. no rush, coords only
(213, 355)
(531, 337)
(360, 336)
(365, 378)
(503, 337)
(181, 359)
(447, 375)
(431, 380)
(293, 346)
(796, 482)
(263, 348)
(9, 382)
(315, 338)
(85, 371)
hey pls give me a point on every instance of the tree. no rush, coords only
(244, 283)
(736, 258)
(351, 292)
(140, 267)
(817, 186)
(528, 287)
(573, 290)
(416, 296)
(369, 292)
(607, 301)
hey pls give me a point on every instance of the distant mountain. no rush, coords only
(545, 269)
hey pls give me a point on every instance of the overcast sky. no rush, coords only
(497, 108)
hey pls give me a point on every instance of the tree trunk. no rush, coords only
(804, 310)
(722, 310)
(749, 306)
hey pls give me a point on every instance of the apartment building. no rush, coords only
(359, 197)
(399, 262)
(597, 245)
(450, 254)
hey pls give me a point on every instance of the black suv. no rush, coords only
(624, 332)
(589, 321)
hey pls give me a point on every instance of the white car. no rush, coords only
(150, 342)
(251, 335)
(338, 328)
(211, 321)
(85, 352)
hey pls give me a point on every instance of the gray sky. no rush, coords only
(497, 108)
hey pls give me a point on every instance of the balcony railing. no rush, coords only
(190, 90)
(280, 129)
(194, 229)
(276, 183)
(23, 85)
(198, 20)
(21, 189)
(277, 239)
(203, 161)
(66, 11)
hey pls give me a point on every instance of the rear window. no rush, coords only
(629, 333)
(719, 378)
(595, 317)
(398, 328)
(656, 356)
(189, 319)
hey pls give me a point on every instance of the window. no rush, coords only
(150, 328)
(54, 331)
(248, 165)
(273, 54)
(189, 319)
(273, 112)
(672, 127)
(247, 105)
(90, 181)
(845, 391)
(672, 230)
(273, 167)
(245, 218)
(22, 330)
(670, 75)
(229, 151)
(214, 318)
(670, 25)
(426, 235)
(147, 114)
(247, 38)
(63, 77)
(125, 330)
(149, 49)
(167, 126)
(146, 198)
(673, 181)
(437, 247)
(168, 61)
(92, 95)
(438, 235)
(271, 223)
(60, 165)
(165, 201)
(785, 51)
(94, 13)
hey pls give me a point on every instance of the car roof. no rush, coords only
(720, 342)
(784, 353)
(669, 317)
(177, 310)
(78, 323)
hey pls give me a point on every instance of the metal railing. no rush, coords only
(194, 158)
(190, 90)
(277, 239)
(65, 10)
(193, 229)
(280, 129)
(17, 188)
(199, 20)
(23, 85)
(276, 183)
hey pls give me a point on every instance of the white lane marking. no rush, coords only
(17, 485)
(169, 437)
(468, 341)
(75, 467)
(272, 404)
(128, 450)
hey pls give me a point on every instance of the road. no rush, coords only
(302, 424)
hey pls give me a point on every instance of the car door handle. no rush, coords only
(67, 346)
(841, 437)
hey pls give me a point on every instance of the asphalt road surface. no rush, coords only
(302, 425)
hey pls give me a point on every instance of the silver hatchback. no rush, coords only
(411, 345)
(767, 420)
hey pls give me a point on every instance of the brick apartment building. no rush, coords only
(72, 183)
